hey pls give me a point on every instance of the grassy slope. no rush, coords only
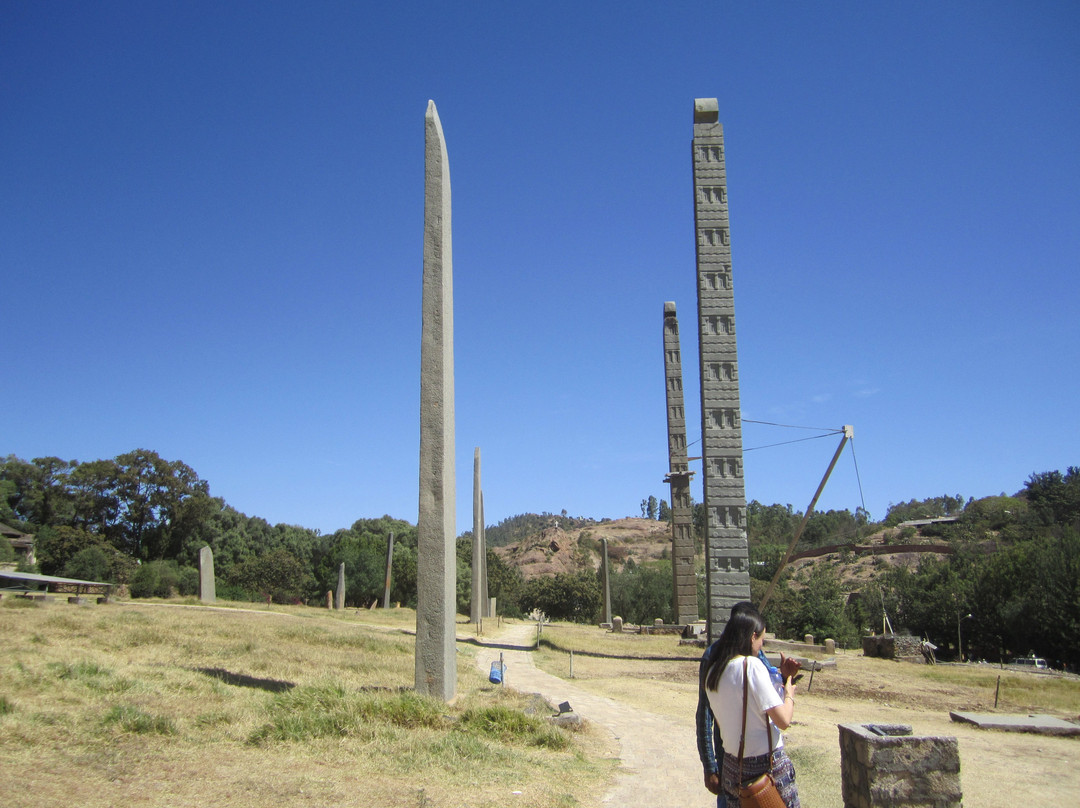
(145, 705)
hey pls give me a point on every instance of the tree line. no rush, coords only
(1011, 586)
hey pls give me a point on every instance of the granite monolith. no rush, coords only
(727, 568)
(389, 570)
(478, 595)
(436, 664)
(684, 584)
(207, 584)
(605, 580)
(339, 600)
(488, 610)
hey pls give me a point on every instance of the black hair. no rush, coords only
(736, 640)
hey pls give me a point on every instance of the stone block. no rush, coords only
(885, 765)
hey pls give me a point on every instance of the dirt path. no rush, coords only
(660, 766)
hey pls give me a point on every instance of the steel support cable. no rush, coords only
(858, 479)
(786, 442)
(826, 430)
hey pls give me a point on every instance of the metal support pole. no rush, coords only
(849, 432)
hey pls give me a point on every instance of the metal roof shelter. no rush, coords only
(22, 582)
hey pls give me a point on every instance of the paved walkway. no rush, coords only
(660, 767)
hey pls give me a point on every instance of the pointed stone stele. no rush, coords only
(207, 584)
(389, 571)
(489, 610)
(339, 602)
(605, 575)
(436, 572)
(478, 593)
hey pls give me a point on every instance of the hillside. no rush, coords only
(564, 547)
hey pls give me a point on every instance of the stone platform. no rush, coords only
(1038, 724)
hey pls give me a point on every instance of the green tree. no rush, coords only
(640, 593)
(89, 564)
(820, 609)
(1055, 497)
(156, 579)
(650, 507)
(565, 596)
(504, 584)
(276, 575)
(54, 547)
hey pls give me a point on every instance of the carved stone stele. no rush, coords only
(436, 572)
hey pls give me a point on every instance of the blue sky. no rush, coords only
(211, 218)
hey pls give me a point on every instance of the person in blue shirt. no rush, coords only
(710, 747)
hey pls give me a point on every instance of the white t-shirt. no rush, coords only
(727, 701)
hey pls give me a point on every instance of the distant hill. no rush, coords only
(559, 544)
(548, 545)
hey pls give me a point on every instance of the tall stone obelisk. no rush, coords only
(684, 591)
(605, 580)
(727, 569)
(488, 610)
(479, 593)
(389, 570)
(436, 663)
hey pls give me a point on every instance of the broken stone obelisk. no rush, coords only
(606, 580)
(436, 664)
(339, 601)
(727, 570)
(478, 596)
(684, 592)
(389, 570)
(207, 584)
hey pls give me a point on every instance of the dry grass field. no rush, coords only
(997, 768)
(146, 705)
(149, 704)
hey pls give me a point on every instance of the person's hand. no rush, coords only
(789, 667)
(712, 782)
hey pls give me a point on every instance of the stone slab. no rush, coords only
(1038, 724)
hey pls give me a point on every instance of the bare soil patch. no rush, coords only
(997, 768)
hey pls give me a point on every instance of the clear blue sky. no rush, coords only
(211, 219)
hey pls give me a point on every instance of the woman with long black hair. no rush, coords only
(733, 660)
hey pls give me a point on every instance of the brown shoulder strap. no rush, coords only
(745, 695)
(768, 722)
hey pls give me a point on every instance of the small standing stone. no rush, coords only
(616, 624)
(207, 589)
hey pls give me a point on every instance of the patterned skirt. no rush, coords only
(778, 763)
